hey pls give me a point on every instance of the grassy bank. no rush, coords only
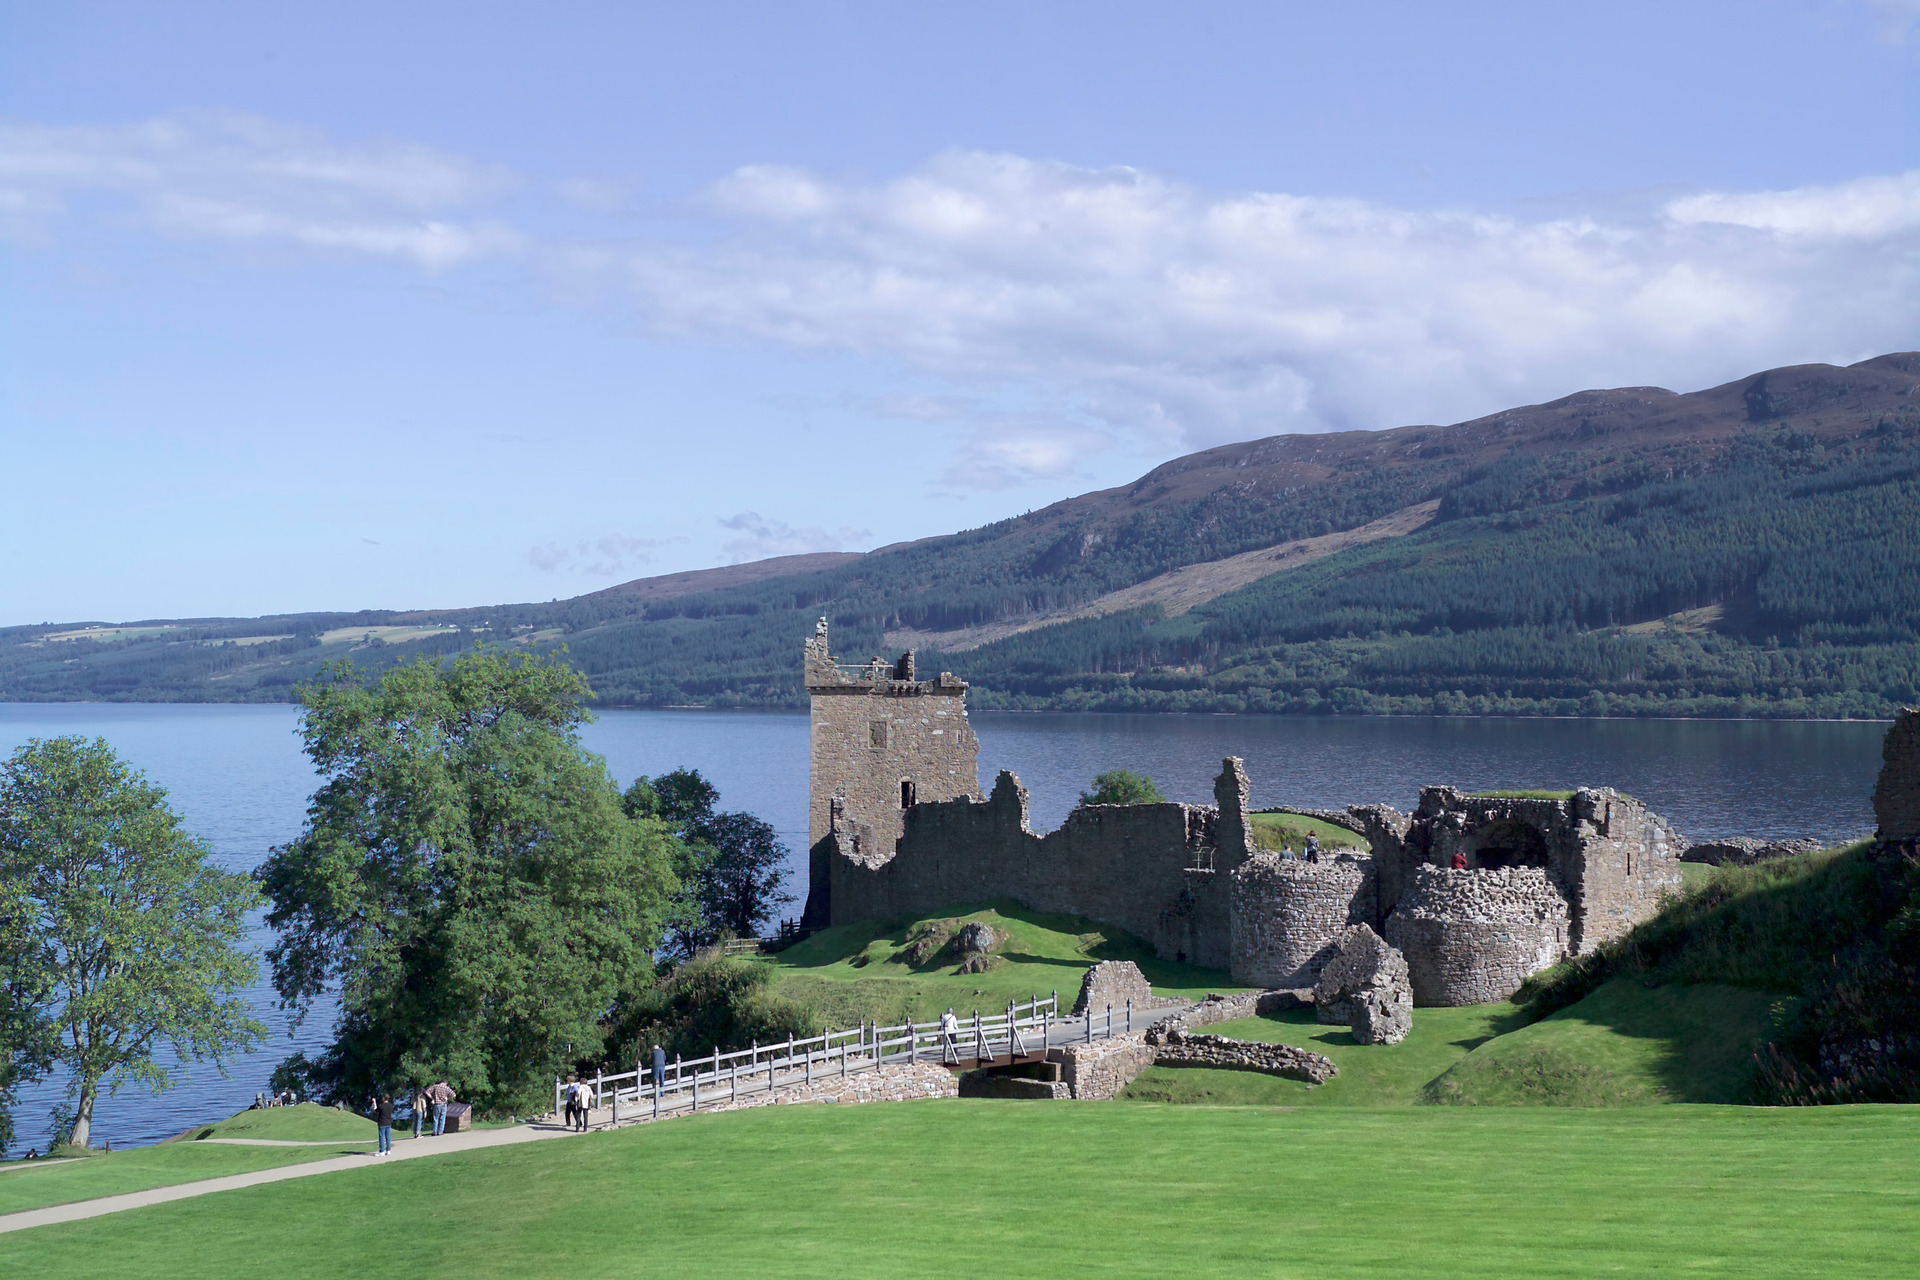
(1013, 1189)
(867, 970)
(39, 1183)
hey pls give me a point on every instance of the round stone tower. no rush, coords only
(1472, 937)
(1287, 916)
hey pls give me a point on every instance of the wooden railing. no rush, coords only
(1025, 1028)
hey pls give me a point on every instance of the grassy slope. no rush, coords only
(1014, 1190)
(1625, 1045)
(856, 970)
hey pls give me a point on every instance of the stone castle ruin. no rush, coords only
(899, 829)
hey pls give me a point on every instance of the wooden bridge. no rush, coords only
(1022, 1034)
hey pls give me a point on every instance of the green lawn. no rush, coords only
(1028, 1190)
(857, 970)
(38, 1184)
(1370, 1075)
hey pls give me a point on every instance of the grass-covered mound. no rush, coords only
(1290, 830)
(1024, 1190)
(1837, 931)
(884, 969)
(308, 1122)
(1626, 1045)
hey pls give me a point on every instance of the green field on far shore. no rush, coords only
(970, 1188)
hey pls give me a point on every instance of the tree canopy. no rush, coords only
(467, 877)
(732, 866)
(1120, 786)
(122, 934)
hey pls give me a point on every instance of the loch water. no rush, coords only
(237, 775)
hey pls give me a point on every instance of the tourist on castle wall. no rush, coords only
(1459, 862)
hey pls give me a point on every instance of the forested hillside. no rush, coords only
(1753, 549)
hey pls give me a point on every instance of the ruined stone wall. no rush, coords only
(878, 726)
(1614, 860)
(1288, 916)
(1097, 1072)
(1158, 871)
(1896, 796)
(1470, 937)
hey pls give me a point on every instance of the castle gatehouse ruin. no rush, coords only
(1477, 891)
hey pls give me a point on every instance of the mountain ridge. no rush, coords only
(1780, 504)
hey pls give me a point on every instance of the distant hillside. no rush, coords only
(1752, 549)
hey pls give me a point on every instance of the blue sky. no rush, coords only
(409, 305)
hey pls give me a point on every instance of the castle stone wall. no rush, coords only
(1158, 871)
(1470, 937)
(1288, 915)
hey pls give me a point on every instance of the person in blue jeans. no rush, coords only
(440, 1095)
(419, 1104)
(383, 1117)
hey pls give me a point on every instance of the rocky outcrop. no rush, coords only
(1896, 796)
(1110, 984)
(1366, 988)
(1744, 851)
(1176, 1048)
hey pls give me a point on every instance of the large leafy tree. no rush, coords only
(466, 876)
(122, 937)
(732, 866)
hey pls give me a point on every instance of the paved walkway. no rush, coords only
(408, 1149)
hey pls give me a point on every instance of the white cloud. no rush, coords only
(241, 178)
(1166, 317)
(1052, 313)
(759, 538)
(602, 557)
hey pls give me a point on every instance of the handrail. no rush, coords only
(843, 1052)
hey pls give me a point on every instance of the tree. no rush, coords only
(129, 938)
(25, 1032)
(467, 876)
(732, 867)
(1119, 786)
(741, 887)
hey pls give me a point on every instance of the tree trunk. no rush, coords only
(83, 1116)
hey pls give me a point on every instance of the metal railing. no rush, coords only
(1026, 1028)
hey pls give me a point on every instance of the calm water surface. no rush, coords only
(238, 776)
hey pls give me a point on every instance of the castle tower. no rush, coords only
(884, 741)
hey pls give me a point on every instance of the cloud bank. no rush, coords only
(756, 538)
(1067, 311)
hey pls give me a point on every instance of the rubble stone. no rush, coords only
(1366, 987)
(1744, 851)
(1176, 1048)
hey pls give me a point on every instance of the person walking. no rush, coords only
(950, 1032)
(440, 1095)
(659, 1069)
(383, 1117)
(582, 1100)
(420, 1104)
(1313, 847)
